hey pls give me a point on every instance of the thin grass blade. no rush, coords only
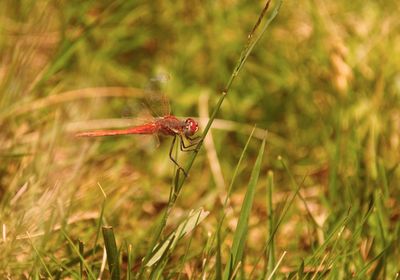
(239, 239)
(130, 262)
(76, 250)
(81, 247)
(253, 38)
(218, 265)
(40, 257)
(271, 249)
(184, 228)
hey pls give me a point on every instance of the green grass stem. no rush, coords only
(239, 240)
(112, 252)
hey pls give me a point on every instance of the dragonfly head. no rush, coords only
(191, 127)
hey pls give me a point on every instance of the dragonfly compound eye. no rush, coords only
(191, 126)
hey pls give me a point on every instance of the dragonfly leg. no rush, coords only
(193, 138)
(157, 140)
(190, 146)
(173, 159)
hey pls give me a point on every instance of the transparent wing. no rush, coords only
(155, 100)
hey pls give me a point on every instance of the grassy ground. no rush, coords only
(319, 200)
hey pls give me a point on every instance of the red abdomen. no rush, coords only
(149, 128)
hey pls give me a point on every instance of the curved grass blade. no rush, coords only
(65, 265)
(158, 229)
(40, 257)
(184, 228)
(240, 236)
(218, 265)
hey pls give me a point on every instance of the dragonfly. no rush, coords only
(162, 123)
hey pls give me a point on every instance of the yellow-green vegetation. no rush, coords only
(312, 191)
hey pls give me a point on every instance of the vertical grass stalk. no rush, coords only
(82, 253)
(112, 252)
(253, 38)
(271, 249)
(239, 239)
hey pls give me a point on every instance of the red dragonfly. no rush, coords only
(165, 125)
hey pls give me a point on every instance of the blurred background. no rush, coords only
(324, 81)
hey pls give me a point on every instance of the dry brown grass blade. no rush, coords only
(69, 96)
(210, 146)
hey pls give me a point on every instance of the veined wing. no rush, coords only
(155, 99)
